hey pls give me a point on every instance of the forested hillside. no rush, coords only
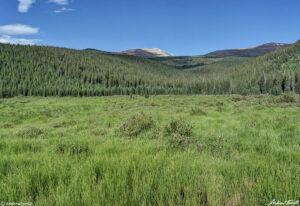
(274, 73)
(50, 71)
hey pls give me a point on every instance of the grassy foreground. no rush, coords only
(87, 151)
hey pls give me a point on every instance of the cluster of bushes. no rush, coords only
(178, 132)
(287, 98)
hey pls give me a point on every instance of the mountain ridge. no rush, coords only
(255, 51)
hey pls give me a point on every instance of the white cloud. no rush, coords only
(7, 31)
(24, 5)
(10, 40)
(18, 29)
(60, 2)
(63, 9)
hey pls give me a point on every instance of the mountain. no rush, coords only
(146, 53)
(248, 52)
(218, 61)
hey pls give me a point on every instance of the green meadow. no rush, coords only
(161, 150)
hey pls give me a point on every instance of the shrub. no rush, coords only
(137, 124)
(237, 98)
(180, 132)
(215, 144)
(197, 111)
(6, 125)
(153, 104)
(287, 98)
(219, 109)
(180, 141)
(220, 104)
(180, 127)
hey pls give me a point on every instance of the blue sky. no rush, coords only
(181, 27)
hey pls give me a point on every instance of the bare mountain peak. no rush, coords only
(145, 52)
(273, 44)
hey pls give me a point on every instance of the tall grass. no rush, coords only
(66, 151)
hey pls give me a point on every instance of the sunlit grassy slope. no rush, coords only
(71, 151)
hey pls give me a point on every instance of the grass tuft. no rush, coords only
(31, 132)
(75, 148)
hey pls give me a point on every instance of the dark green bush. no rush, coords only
(197, 111)
(236, 98)
(153, 104)
(180, 133)
(6, 125)
(287, 98)
(219, 109)
(220, 104)
(215, 144)
(137, 124)
(179, 141)
(180, 127)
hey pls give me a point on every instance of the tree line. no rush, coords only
(52, 71)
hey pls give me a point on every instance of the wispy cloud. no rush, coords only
(7, 31)
(63, 9)
(18, 29)
(10, 40)
(24, 5)
(60, 2)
